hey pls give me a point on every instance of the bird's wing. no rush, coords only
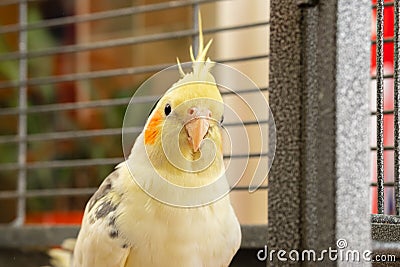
(99, 242)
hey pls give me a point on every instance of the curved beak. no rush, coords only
(197, 128)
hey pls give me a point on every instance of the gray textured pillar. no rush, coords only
(285, 102)
(352, 120)
(319, 182)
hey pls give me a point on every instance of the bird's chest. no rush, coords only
(184, 238)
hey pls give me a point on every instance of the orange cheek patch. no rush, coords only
(152, 129)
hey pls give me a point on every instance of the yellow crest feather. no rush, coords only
(200, 65)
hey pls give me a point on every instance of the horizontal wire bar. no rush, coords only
(103, 15)
(232, 60)
(36, 236)
(246, 91)
(9, 2)
(384, 4)
(86, 76)
(61, 164)
(52, 136)
(244, 123)
(386, 76)
(245, 188)
(49, 192)
(99, 103)
(87, 191)
(100, 15)
(385, 112)
(78, 105)
(110, 73)
(104, 103)
(385, 40)
(15, 2)
(384, 148)
(67, 106)
(243, 156)
(386, 219)
(93, 162)
(70, 135)
(123, 41)
(385, 184)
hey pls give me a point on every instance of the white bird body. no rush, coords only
(151, 233)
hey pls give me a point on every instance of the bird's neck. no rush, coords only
(167, 180)
(183, 169)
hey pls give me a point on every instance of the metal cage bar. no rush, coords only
(385, 227)
(379, 103)
(15, 2)
(195, 38)
(100, 103)
(94, 133)
(384, 4)
(124, 41)
(22, 118)
(109, 73)
(102, 15)
(380, 77)
(90, 162)
(396, 106)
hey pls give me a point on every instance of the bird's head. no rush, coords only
(182, 135)
(183, 120)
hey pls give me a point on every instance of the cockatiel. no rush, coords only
(125, 225)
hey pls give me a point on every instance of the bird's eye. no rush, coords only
(222, 119)
(167, 109)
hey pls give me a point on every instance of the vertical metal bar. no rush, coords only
(379, 103)
(396, 106)
(195, 44)
(22, 123)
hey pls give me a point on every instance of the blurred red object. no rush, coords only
(55, 217)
